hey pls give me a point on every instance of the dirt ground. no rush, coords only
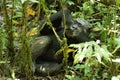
(60, 76)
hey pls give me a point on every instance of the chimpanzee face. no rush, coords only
(74, 30)
(78, 30)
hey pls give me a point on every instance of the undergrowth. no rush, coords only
(98, 59)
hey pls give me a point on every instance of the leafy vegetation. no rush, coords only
(97, 59)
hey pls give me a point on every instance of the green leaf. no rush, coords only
(79, 58)
(69, 77)
(98, 52)
(70, 3)
(18, 14)
(118, 2)
(89, 51)
(3, 62)
(117, 41)
(23, 1)
(87, 7)
(8, 79)
(35, 1)
(79, 66)
(106, 53)
(87, 70)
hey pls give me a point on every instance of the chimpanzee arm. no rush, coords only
(56, 20)
(58, 17)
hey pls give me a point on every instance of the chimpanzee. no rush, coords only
(46, 45)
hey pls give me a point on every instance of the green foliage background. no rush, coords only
(101, 55)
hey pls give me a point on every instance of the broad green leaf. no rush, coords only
(79, 58)
(106, 53)
(98, 53)
(89, 51)
(98, 57)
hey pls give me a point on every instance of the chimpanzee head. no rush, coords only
(78, 31)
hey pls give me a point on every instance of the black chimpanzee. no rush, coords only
(46, 45)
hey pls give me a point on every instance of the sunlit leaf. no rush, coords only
(75, 45)
(88, 8)
(79, 66)
(116, 60)
(117, 41)
(18, 14)
(33, 31)
(35, 1)
(70, 50)
(23, 1)
(98, 53)
(15, 22)
(98, 57)
(30, 12)
(106, 53)
(4, 62)
(115, 78)
(89, 49)
(16, 35)
(13, 74)
(69, 77)
(117, 1)
(70, 3)
(79, 58)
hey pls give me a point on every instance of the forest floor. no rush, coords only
(60, 76)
